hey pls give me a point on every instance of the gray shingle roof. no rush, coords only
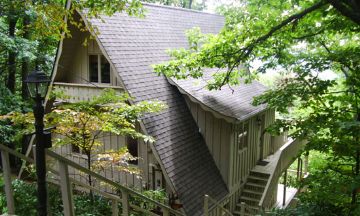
(234, 102)
(133, 44)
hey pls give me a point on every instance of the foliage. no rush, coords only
(157, 195)
(84, 124)
(8, 103)
(302, 39)
(26, 201)
(191, 4)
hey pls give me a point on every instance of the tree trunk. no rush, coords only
(25, 65)
(11, 82)
(190, 4)
(357, 165)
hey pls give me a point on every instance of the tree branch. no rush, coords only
(285, 22)
(246, 51)
(349, 9)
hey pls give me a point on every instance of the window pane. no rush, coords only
(105, 70)
(93, 68)
(242, 135)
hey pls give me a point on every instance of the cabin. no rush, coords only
(211, 147)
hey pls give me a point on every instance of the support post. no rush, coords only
(301, 168)
(206, 205)
(125, 202)
(306, 163)
(298, 169)
(114, 207)
(284, 192)
(66, 192)
(40, 161)
(7, 180)
(242, 208)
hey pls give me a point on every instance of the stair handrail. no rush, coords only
(6, 150)
(282, 162)
(215, 205)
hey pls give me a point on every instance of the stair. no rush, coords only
(252, 193)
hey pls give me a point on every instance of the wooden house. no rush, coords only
(207, 142)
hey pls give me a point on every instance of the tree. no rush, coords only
(304, 39)
(84, 123)
(30, 31)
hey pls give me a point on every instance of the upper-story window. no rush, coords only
(242, 135)
(99, 69)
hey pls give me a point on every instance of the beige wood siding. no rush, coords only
(216, 133)
(73, 65)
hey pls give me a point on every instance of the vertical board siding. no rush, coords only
(111, 142)
(216, 133)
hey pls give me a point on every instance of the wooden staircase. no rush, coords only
(252, 193)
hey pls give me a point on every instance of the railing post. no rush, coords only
(206, 205)
(66, 191)
(125, 202)
(298, 170)
(7, 181)
(242, 208)
(114, 207)
(284, 192)
(165, 212)
(306, 163)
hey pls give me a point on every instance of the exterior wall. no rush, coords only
(268, 117)
(79, 69)
(216, 133)
(73, 65)
(73, 68)
(234, 158)
(150, 177)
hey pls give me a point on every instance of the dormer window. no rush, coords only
(99, 69)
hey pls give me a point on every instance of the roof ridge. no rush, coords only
(179, 8)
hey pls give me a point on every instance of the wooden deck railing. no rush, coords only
(215, 208)
(288, 153)
(80, 92)
(65, 183)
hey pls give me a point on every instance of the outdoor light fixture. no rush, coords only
(37, 83)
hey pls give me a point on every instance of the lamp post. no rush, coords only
(37, 83)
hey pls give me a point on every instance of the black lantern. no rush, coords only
(37, 83)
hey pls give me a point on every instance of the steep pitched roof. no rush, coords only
(133, 45)
(234, 102)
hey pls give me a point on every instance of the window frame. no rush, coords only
(242, 136)
(99, 55)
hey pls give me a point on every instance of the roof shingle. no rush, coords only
(133, 45)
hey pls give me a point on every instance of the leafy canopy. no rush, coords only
(306, 40)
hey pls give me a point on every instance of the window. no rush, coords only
(99, 69)
(132, 145)
(242, 135)
(75, 149)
